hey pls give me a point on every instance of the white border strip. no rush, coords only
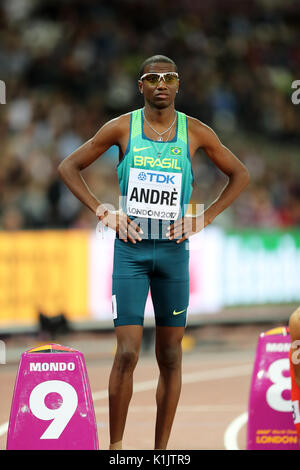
(193, 377)
(3, 428)
(231, 433)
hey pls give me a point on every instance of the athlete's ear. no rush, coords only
(140, 84)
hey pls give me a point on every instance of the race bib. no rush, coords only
(154, 194)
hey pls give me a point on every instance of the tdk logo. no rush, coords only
(142, 176)
(51, 366)
(157, 177)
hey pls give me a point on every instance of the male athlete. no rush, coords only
(156, 146)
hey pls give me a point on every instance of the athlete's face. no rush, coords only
(162, 93)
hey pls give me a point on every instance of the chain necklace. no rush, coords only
(159, 152)
(160, 134)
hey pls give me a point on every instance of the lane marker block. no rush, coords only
(52, 407)
(270, 420)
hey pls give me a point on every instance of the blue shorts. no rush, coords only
(162, 265)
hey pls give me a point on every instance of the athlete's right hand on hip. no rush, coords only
(126, 228)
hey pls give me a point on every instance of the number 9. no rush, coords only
(60, 416)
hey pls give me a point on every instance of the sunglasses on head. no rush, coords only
(170, 78)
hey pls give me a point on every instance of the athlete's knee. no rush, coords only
(126, 359)
(169, 357)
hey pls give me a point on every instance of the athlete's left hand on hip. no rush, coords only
(185, 227)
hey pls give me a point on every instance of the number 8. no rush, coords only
(60, 416)
(280, 383)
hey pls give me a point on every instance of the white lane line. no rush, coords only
(183, 408)
(232, 431)
(3, 428)
(214, 374)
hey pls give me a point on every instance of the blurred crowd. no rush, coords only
(70, 66)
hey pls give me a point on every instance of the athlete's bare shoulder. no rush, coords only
(200, 134)
(198, 130)
(114, 131)
(122, 120)
(118, 125)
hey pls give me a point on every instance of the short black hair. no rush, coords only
(154, 59)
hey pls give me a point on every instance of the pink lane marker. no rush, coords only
(270, 421)
(52, 405)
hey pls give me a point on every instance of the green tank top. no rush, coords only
(155, 178)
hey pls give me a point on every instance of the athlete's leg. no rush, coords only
(121, 379)
(294, 356)
(169, 355)
(130, 289)
(170, 297)
(294, 328)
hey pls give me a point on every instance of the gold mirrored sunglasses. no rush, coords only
(170, 78)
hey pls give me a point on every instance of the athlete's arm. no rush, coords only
(112, 133)
(294, 328)
(204, 137)
(70, 168)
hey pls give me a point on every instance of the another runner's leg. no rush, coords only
(294, 357)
